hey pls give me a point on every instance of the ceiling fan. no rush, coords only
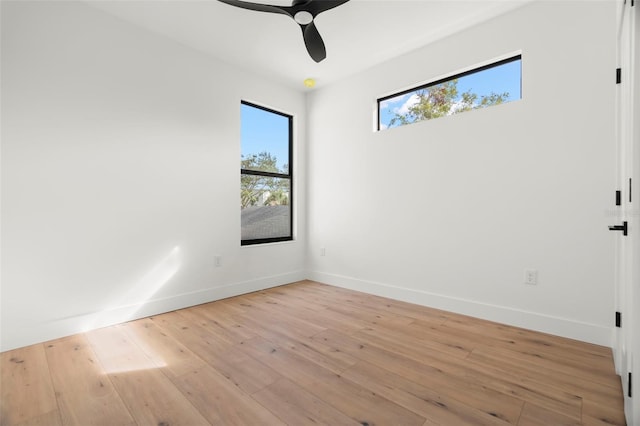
(303, 12)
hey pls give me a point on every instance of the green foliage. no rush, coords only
(443, 99)
(278, 196)
(263, 161)
(253, 189)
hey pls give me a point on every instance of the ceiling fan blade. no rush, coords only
(303, 12)
(257, 6)
(313, 42)
(315, 7)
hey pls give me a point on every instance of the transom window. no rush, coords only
(481, 87)
(265, 175)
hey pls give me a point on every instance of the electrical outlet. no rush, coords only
(531, 276)
(217, 260)
(323, 252)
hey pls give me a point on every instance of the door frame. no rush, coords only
(627, 250)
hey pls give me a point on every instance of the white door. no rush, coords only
(627, 214)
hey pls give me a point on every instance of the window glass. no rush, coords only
(270, 214)
(265, 175)
(264, 131)
(482, 87)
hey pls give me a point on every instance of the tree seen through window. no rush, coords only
(265, 175)
(479, 88)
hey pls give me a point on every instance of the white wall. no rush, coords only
(119, 146)
(450, 212)
(120, 174)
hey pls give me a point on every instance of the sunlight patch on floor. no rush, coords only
(117, 350)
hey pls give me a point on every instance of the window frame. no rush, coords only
(511, 58)
(288, 175)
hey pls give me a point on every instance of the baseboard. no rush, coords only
(563, 327)
(20, 335)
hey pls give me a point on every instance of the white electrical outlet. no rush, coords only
(217, 260)
(531, 276)
(322, 251)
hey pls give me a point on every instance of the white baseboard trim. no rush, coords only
(563, 327)
(16, 336)
(20, 335)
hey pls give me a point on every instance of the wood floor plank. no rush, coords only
(368, 302)
(26, 389)
(532, 415)
(452, 374)
(478, 376)
(475, 395)
(497, 379)
(226, 358)
(587, 420)
(317, 314)
(52, 418)
(221, 401)
(296, 406)
(280, 320)
(575, 385)
(150, 396)
(603, 414)
(309, 353)
(525, 345)
(543, 395)
(429, 403)
(314, 351)
(195, 336)
(211, 325)
(302, 345)
(84, 392)
(355, 401)
(367, 315)
(169, 355)
(418, 341)
(223, 319)
(286, 297)
(538, 361)
(493, 329)
(368, 311)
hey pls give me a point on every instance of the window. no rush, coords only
(492, 84)
(265, 175)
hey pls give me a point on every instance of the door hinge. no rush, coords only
(629, 386)
(618, 319)
(618, 198)
(618, 75)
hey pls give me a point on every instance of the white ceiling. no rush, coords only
(357, 34)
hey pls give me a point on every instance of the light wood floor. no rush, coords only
(308, 353)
